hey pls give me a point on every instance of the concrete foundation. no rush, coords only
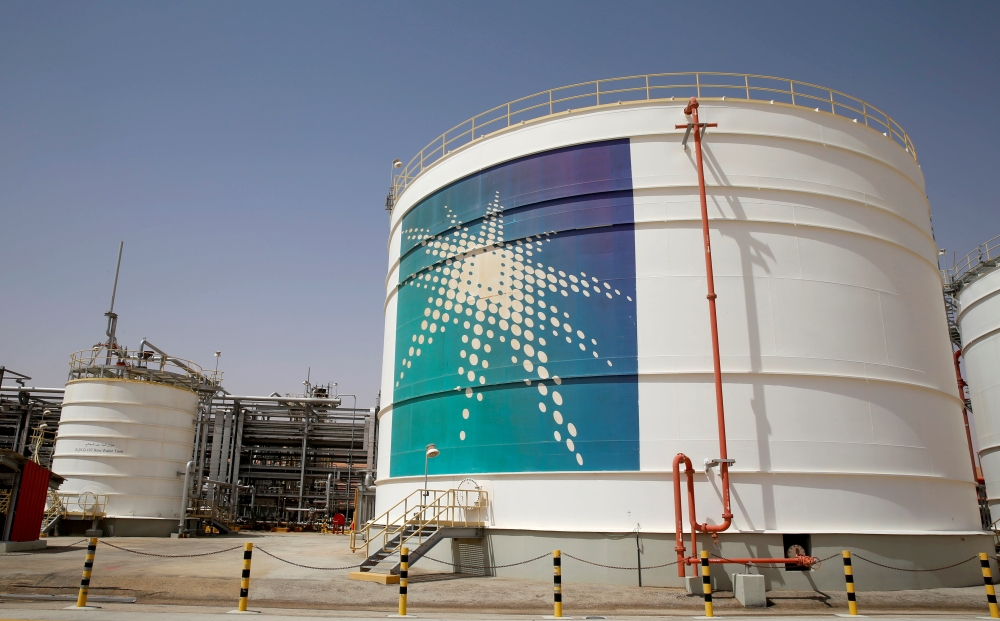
(118, 527)
(909, 551)
(21, 546)
(748, 589)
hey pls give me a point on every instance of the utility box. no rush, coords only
(749, 590)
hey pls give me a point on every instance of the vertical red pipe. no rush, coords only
(692, 513)
(965, 416)
(727, 515)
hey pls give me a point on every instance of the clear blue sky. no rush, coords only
(241, 149)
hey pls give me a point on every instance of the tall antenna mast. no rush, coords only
(112, 317)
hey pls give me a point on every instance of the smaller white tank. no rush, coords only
(975, 283)
(126, 441)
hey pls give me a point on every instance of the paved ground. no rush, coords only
(180, 613)
(211, 585)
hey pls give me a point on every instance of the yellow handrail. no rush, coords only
(442, 508)
(651, 87)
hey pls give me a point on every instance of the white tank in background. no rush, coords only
(975, 285)
(125, 437)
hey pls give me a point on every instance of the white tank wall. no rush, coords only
(841, 407)
(979, 323)
(127, 439)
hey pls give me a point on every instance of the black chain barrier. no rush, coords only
(615, 567)
(530, 560)
(237, 547)
(306, 566)
(971, 558)
(820, 561)
(43, 550)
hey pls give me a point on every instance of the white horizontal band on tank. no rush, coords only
(87, 457)
(98, 403)
(124, 380)
(657, 475)
(727, 372)
(125, 423)
(624, 106)
(761, 182)
(888, 231)
(391, 281)
(393, 286)
(799, 502)
(742, 531)
(980, 338)
(413, 196)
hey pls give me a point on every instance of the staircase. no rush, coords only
(418, 522)
(53, 512)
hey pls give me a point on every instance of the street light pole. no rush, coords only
(430, 451)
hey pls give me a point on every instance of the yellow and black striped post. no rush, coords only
(706, 584)
(404, 578)
(88, 567)
(556, 583)
(245, 578)
(991, 595)
(852, 599)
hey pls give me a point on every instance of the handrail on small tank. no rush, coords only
(985, 256)
(125, 364)
(705, 85)
(182, 364)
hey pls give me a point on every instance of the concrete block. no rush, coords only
(21, 546)
(749, 590)
(693, 584)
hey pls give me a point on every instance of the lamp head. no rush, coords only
(218, 353)
(397, 163)
(432, 451)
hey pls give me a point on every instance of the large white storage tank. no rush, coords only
(975, 285)
(125, 437)
(546, 327)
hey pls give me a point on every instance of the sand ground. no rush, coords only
(213, 581)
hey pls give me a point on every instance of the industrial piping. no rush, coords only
(965, 417)
(184, 497)
(723, 461)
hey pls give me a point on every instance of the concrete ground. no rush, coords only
(210, 584)
(181, 613)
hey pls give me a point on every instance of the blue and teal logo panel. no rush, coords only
(516, 319)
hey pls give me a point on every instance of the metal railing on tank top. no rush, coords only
(706, 86)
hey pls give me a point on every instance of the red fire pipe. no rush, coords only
(682, 560)
(679, 547)
(965, 417)
(727, 514)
